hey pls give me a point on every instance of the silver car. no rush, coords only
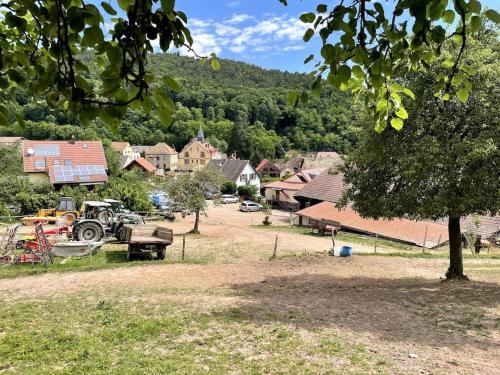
(249, 206)
(228, 198)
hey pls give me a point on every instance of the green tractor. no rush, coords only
(98, 220)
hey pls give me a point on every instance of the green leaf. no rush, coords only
(344, 73)
(108, 8)
(446, 97)
(92, 36)
(321, 8)
(492, 15)
(168, 5)
(316, 87)
(215, 64)
(328, 52)
(292, 98)
(307, 17)
(147, 104)
(380, 126)
(397, 123)
(449, 16)
(171, 83)
(124, 4)
(357, 71)
(463, 94)
(309, 58)
(475, 23)
(401, 113)
(308, 35)
(447, 64)
(76, 19)
(114, 54)
(474, 6)
(408, 92)
(381, 105)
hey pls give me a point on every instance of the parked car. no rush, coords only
(209, 195)
(172, 207)
(228, 198)
(249, 206)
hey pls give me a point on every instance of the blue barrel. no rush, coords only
(346, 251)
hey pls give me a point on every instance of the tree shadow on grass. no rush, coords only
(397, 310)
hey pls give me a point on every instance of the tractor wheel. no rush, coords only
(105, 216)
(160, 254)
(69, 218)
(88, 231)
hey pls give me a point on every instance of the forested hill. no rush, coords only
(232, 74)
(242, 108)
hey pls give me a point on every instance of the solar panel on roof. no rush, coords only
(39, 163)
(46, 150)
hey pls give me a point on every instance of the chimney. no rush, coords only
(72, 140)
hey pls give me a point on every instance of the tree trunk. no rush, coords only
(196, 222)
(456, 269)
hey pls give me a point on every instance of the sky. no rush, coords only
(260, 32)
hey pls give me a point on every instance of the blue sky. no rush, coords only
(261, 32)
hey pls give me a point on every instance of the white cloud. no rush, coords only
(239, 18)
(234, 3)
(243, 33)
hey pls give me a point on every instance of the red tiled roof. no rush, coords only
(119, 146)
(409, 231)
(261, 165)
(284, 185)
(143, 163)
(79, 152)
(325, 187)
(327, 155)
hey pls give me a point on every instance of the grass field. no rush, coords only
(120, 333)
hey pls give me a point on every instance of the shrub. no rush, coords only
(228, 187)
(247, 191)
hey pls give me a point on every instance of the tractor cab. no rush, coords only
(117, 207)
(66, 204)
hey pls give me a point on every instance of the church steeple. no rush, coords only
(201, 136)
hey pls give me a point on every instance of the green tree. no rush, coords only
(40, 41)
(445, 163)
(365, 43)
(189, 190)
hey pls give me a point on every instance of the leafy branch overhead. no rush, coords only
(41, 41)
(366, 46)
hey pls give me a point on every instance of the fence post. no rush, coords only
(425, 240)
(183, 246)
(439, 241)
(275, 247)
(376, 238)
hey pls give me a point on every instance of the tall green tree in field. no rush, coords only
(445, 163)
(189, 190)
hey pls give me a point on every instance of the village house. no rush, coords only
(241, 172)
(197, 153)
(281, 193)
(267, 168)
(280, 168)
(65, 162)
(142, 164)
(125, 150)
(163, 157)
(10, 141)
